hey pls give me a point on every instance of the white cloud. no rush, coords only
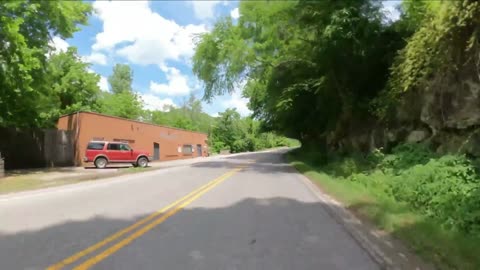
(152, 102)
(134, 31)
(238, 102)
(204, 9)
(177, 84)
(389, 8)
(235, 14)
(58, 45)
(95, 58)
(103, 84)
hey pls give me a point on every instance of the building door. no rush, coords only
(156, 151)
(199, 150)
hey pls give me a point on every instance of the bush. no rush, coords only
(445, 188)
(217, 146)
(405, 156)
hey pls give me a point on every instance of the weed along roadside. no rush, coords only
(425, 201)
(14, 184)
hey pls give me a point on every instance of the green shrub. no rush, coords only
(369, 194)
(346, 167)
(443, 189)
(405, 156)
(375, 180)
(217, 146)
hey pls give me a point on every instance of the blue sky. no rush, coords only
(155, 39)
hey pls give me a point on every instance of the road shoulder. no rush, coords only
(386, 251)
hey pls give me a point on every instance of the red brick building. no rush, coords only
(163, 143)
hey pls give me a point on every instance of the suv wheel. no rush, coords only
(142, 162)
(101, 163)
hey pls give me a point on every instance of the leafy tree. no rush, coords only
(238, 134)
(311, 68)
(125, 104)
(123, 101)
(72, 87)
(121, 79)
(227, 129)
(189, 116)
(25, 32)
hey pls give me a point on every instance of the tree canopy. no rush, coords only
(122, 101)
(121, 79)
(310, 68)
(71, 87)
(26, 30)
(314, 70)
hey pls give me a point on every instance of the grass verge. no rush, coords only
(445, 249)
(32, 182)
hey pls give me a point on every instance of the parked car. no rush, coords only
(102, 152)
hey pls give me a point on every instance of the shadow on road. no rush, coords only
(273, 233)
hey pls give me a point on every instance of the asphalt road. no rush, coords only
(243, 212)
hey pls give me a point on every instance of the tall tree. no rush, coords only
(226, 131)
(311, 68)
(125, 104)
(26, 29)
(121, 79)
(71, 86)
(123, 101)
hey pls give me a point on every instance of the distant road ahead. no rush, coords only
(243, 212)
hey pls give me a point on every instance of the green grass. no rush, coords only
(445, 249)
(13, 184)
(19, 183)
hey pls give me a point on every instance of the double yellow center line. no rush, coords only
(160, 215)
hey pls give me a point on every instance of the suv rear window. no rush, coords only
(95, 146)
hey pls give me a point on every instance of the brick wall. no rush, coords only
(92, 126)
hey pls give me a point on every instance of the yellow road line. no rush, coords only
(120, 233)
(111, 250)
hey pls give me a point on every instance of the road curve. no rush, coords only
(242, 212)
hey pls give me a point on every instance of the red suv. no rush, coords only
(101, 153)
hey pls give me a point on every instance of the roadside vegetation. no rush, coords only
(431, 201)
(40, 179)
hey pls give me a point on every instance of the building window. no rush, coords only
(187, 149)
